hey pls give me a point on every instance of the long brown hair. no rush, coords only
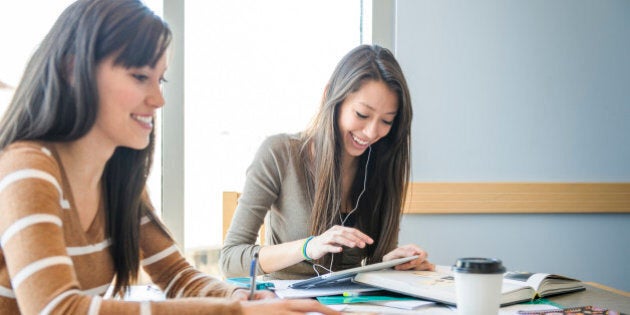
(380, 207)
(48, 106)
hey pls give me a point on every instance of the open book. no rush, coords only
(544, 284)
(439, 285)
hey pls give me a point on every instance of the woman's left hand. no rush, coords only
(421, 263)
(243, 295)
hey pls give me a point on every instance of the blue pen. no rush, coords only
(252, 274)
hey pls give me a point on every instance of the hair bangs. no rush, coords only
(146, 46)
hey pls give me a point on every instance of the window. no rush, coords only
(252, 69)
(17, 46)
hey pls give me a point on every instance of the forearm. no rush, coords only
(276, 257)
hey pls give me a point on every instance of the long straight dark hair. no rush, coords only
(380, 207)
(57, 100)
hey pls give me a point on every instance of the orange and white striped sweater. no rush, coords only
(50, 265)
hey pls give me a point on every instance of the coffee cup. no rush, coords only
(478, 285)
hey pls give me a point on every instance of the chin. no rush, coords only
(140, 145)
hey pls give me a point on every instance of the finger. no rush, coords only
(264, 295)
(311, 306)
(351, 237)
(351, 233)
(240, 295)
(361, 236)
(426, 265)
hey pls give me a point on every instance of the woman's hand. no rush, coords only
(281, 306)
(421, 263)
(243, 295)
(334, 238)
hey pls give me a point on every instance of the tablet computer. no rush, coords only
(337, 277)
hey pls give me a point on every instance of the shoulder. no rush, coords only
(27, 154)
(281, 141)
(281, 146)
(29, 160)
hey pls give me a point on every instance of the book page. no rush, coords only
(435, 286)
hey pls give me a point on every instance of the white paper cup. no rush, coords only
(478, 285)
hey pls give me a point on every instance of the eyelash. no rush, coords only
(140, 77)
(143, 78)
(361, 116)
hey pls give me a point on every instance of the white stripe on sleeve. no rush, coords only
(97, 291)
(37, 174)
(6, 292)
(95, 306)
(48, 309)
(180, 294)
(157, 257)
(145, 308)
(174, 279)
(25, 222)
(144, 220)
(46, 151)
(89, 249)
(37, 266)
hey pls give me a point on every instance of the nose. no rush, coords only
(155, 98)
(372, 130)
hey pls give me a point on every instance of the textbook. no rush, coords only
(439, 285)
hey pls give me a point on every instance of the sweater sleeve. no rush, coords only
(36, 274)
(170, 271)
(262, 187)
(42, 276)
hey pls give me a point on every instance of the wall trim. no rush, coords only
(472, 197)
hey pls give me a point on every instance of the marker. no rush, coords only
(354, 293)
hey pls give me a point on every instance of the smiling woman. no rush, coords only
(332, 195)
(76, 147)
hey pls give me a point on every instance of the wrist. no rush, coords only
(304, 248)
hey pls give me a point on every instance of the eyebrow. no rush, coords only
(372, 108)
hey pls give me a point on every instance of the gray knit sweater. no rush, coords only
(276, 192)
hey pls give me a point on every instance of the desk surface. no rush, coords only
(596, 295)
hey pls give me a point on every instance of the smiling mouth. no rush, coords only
(359, 141)
(145, 120)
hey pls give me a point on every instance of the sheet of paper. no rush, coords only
(432, 309)
(283, 291)
(406, 305)
(513, 309)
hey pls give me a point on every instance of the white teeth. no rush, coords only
(359, 141)
(143, 119)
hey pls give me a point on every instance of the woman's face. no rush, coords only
(366, 116)
(128, 100)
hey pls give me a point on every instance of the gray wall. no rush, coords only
(521, 91)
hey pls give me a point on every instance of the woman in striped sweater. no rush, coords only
(77, 141)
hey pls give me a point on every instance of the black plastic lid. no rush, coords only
(478, 265)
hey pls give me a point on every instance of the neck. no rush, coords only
(348, 172)
(84, 161)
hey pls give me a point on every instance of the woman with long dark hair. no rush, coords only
(77, 141)
(332, 196)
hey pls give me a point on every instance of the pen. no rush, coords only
(252, 274)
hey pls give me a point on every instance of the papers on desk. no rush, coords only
(282, 289)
